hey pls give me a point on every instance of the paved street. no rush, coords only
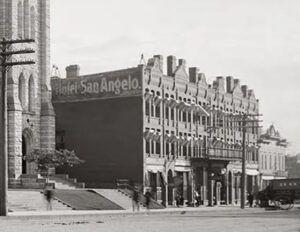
(178, 220)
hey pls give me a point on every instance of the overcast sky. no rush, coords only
(256, 41)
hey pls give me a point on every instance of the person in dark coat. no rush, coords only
(148, 196)
(178, 200)
(49, 196)
(135, 200)
(250, 199)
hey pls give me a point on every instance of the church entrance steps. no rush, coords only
(31, 200)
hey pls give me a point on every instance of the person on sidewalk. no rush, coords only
(49, 196)
(250, 199)
(197, 198)
(179, 200)
(148, 196)
(135, 200)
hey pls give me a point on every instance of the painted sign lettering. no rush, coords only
(81, 88)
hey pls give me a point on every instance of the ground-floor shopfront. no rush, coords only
(214, 182)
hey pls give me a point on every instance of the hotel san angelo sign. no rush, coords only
(96, 86)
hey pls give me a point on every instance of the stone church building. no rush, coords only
(30, 113)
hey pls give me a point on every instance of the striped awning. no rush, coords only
(149, 134)
(157, 100)
(148, 96)
(156, 136)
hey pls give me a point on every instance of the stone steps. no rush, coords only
(31, 200)
(116, 196)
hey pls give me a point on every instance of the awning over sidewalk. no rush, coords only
(249, 172)
(267, 177)
(252, 172)
(182, 169)
(155, 168)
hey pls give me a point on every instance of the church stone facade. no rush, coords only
(31, 119)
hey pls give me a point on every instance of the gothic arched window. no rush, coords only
(22, 94)
(26, 19)
(32, 22)
(31, 94)
(20, 19)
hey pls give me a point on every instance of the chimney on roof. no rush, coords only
(193, 73)
(201, 76)
(245, 91)
(171, 65)
(72, 71)
(161, 62)
(236, 82)
(182, 62)
(220, 81)
(229, 84)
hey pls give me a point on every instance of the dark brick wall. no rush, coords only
(107, 134)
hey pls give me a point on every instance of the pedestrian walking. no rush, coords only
(49, 196)
(179, 200)
(135, 200)
(148, 196)
(250, 199)
(197, 198)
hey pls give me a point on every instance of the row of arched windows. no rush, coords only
(26, 20)
(26, 93)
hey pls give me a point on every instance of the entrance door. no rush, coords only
(230, 187)
(249, 184)
(170, 187)
(24, 152)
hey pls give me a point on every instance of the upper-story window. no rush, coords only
(203, 120)
(167, 112)
(147, 108)
(172, 114)
(157, 111)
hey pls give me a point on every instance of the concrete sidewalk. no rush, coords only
(181, 210)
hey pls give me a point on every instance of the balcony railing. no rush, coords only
(225, 154)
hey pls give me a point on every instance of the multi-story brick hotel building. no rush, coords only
(172, 134)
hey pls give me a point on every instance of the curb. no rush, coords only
(209, 211)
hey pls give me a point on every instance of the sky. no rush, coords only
(255, 41)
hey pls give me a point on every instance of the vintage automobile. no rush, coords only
(281, 193)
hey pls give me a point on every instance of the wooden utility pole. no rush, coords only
(5, 54)
(243, 179)
(244, 121)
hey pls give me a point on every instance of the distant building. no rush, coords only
(293, 166)
(170, 133)
(30, 112)
(272, 155)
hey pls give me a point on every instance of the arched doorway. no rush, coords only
(170, 187)
(27, 138)
(24, 152)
